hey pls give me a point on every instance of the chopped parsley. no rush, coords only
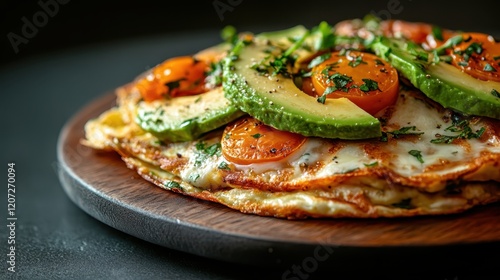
(194, 177)
(489, 68)
(319, 59)
(357, 61)
(463, 130)
(407, 130)
(214, 75)
(437, 32)
(280, 63)
(224, 166)
(415, 50)
(229, 34)
(257, 135)
(172, 185)
(471, 49)
(373, 164)
(379, 62)
(340, 82)
(417, 154)
(368, 85)
(204, 152)
(453, 41)
(495, 93)
(326, 37)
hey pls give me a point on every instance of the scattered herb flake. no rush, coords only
(357, 61)
(464, 132)
(489, 68)
(373, 164)
(214, 75)
(407, 130)
(340, 82)
(379, 62)
(194, 177)
(172, 185)
(417, 154)
(368, 85)
(223, 166)
(319, 59)
(326, 39)
(257, 135)
(204, 152)
(229, 34)
(437, 32)
(495, 93)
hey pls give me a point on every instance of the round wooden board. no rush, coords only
(101, 184)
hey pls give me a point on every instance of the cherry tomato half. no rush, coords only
(177, 76)
(247, 140)
(478, 55)
(363, 78)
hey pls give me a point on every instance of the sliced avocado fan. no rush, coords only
(440, 81)
(186, 118)
(257, 79)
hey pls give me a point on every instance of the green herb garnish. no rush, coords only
(495, 93)
(417, 154)
(463, 130)
(368, 85)
(224, 166)
(172, 185)
(204, 152)
(357, 61)
(407, 130)
(489, 68)
(340, 82)
(319, 59)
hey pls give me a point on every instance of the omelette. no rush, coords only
(407, 153)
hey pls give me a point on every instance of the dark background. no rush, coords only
(80, 23)
(89, 48)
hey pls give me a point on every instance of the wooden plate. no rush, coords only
(101, 184)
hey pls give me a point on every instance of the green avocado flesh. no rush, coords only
(186, 118)
(275, 100)
(442, 82)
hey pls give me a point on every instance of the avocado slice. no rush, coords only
(186, 118)
(275, 100)
(440, 81)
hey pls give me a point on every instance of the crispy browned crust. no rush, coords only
(350, 194)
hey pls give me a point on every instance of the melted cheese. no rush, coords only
(326, 177)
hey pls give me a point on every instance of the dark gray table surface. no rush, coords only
(57, 240)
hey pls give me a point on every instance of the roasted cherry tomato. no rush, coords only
(177, 76)
(478, 55)
(414, 31)
(363, 78)
(247, 140)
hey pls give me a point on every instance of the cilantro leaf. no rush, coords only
(357, 61)
(417, 154)
(463, 130)
(495, 93)
(368, 85)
